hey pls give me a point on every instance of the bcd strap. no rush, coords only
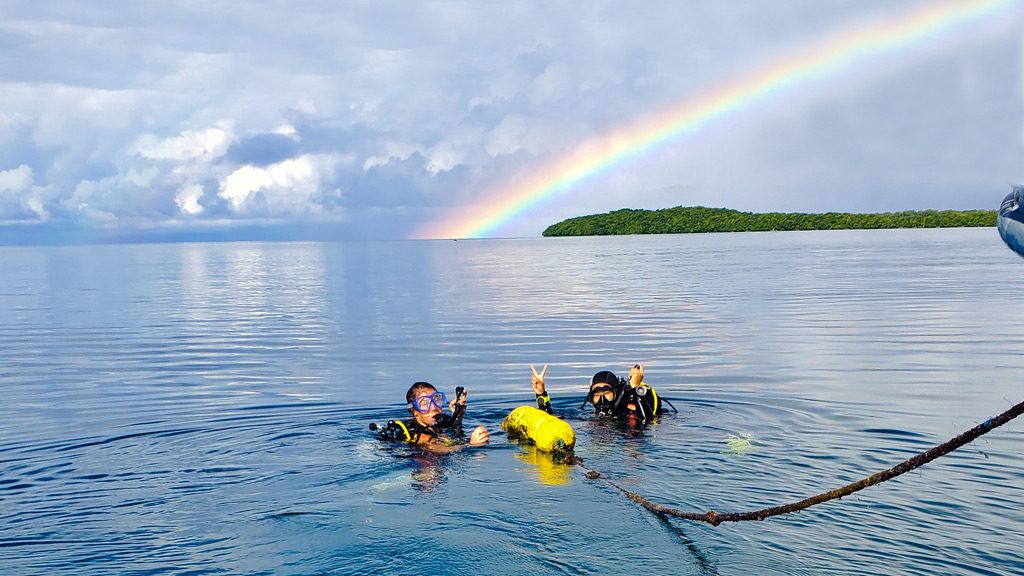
(656, 403)
(397, 426)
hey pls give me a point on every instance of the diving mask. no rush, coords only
(602, 397)
(423, 403)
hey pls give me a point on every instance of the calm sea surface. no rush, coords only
(203, 408)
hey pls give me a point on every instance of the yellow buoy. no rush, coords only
(535, 426)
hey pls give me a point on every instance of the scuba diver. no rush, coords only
(429, 426)
(632, 400)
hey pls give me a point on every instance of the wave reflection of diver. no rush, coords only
(429, 471)
(632, 400)
(429, 426)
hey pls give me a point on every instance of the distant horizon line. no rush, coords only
(59, 233)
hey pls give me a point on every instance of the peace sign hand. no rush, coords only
(537, 379)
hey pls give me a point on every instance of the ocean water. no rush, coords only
(203, 408)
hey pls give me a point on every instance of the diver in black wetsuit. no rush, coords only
(632, 400)
(429, 426)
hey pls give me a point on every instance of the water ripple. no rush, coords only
(195, 409)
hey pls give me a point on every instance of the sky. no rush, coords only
(155, 121)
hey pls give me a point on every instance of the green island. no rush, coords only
(697, 219)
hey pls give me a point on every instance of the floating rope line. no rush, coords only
(714, 518)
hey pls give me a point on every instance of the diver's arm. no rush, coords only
(544, 403)
(478, 437)
(537, 381)
(434, 445)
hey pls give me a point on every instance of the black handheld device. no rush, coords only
(458, 411)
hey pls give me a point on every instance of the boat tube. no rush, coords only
(1010, 220)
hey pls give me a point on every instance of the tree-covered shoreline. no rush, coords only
(697, 219)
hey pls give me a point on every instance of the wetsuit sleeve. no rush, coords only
(544, 403)
(450, 424)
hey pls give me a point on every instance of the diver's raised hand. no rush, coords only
(537, 379)
(460, 398)
(636, 375)
(479, 436)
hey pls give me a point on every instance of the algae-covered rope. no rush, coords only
(714, 518)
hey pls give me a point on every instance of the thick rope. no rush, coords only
(714, 518)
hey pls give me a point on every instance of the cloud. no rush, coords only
(534, 136)
(265, 149)
(19, 199)
(507, 137)
(289, 188)
(391, 151)
(187, 199)
(554, 84)
(401, 111)
(205, 144)
(16, 179)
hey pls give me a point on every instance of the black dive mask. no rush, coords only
(603, 407)
(603, 385)
(599, 397)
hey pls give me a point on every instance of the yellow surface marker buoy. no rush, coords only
(535, 426)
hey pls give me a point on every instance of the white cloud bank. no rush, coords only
(20, 199)
(205, 144)
(16, 179)
(286, 188)
(187, 199)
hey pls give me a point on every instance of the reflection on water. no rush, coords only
(547, 469)
(201, 408)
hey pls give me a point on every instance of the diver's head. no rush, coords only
(604, 390)
(425, 402)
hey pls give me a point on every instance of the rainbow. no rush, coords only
(838, 53)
